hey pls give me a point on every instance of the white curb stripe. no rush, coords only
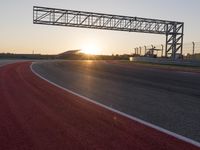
(180, 137)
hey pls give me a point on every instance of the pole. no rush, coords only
(152, 51)
(193, 47)
(145, 49)
(162, 49)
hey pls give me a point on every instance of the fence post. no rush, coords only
(137, 50)
(193, 49)
(162, 49)
(145, 50)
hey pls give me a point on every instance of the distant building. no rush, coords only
(70, 54)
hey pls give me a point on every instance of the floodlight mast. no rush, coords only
(60, 17)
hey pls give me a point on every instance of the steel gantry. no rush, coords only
(61, 17)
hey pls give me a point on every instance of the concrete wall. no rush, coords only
(166, 61)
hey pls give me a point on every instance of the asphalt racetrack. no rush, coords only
(162, 97)
(8, 61)
(36, 115)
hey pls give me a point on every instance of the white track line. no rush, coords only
(180, 137)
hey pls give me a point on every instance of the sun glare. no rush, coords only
(91, 49)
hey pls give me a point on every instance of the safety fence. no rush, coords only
(190, 50)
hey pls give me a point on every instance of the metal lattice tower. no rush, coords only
(60, 17)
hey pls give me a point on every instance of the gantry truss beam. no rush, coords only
(60, 17)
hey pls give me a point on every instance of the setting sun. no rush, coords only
(91, 49)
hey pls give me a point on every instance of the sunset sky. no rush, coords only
(19, 35)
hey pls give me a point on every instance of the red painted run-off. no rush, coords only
(37, 115)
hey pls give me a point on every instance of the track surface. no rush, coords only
(9, 61)
(37, 115)
(165, 98)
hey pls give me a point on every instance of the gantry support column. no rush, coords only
(174, 40)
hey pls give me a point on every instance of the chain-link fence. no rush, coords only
(158, 50)
(190, 50)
